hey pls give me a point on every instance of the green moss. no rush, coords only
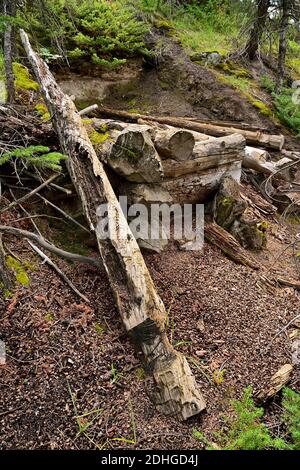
(262, 107)
(20, 273)
(133, 110)
(7, 294)
(42, 110)
(97, 137)
(23, 78)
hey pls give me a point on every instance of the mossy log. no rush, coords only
(275, 141)
(173, 387)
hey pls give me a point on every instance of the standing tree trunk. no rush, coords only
(173, 387)
(9, 9)
(260, 20)
(284, 23)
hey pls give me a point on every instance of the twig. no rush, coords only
(48, 246)
(62, 275)
(28, 195)
(88, 109)
(283, 329)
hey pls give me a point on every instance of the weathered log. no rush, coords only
(277, 382)
(256, 159)
(252, 137)
(170, 142)
(199, 187)
(219, 237)
(173, 386)
(128, 150)
(210, 154)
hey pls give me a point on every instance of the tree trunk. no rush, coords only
(173, 387)
(252, 137)
(260, 20)
(284, 23)
(9, 9)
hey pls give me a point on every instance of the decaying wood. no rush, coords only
(173, 387)
(207, 155)
(255, 159)
(88, 110)
(289, 283)
(219, 237)
(174, 143)
(197, 188)
(252, 137)
(277, 382)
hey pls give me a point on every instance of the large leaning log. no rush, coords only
(252, 137)
(173, 387)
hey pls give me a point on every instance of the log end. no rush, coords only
(175, 389)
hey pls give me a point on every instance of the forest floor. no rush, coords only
(71, 378)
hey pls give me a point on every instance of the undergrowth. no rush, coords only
(244, 429)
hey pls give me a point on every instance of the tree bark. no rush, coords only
(252, 47)
(9, 9)
(173, 387)
(252, 137)
(284, 23)
(228, 244)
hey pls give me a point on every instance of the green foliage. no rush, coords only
(244, 430)
(291, 416)
(100, 32)
(37, 155)
(287, 111)
(267, 83)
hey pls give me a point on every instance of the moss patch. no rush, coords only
(43, 112)
(20, 272)
(23, 78)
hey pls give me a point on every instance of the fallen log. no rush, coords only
(173, 387)
(219, 237)
(252, 137)
(210, 154)
(130, 152)
(170, 142)
(199, 187)
(256, 159)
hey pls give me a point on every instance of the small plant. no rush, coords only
(287, 111)
(116, 376)
(244, 430)
(38, 156)
(84, 422)
(267, 83)
(291, 416)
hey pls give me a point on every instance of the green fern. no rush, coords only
(36, 155)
